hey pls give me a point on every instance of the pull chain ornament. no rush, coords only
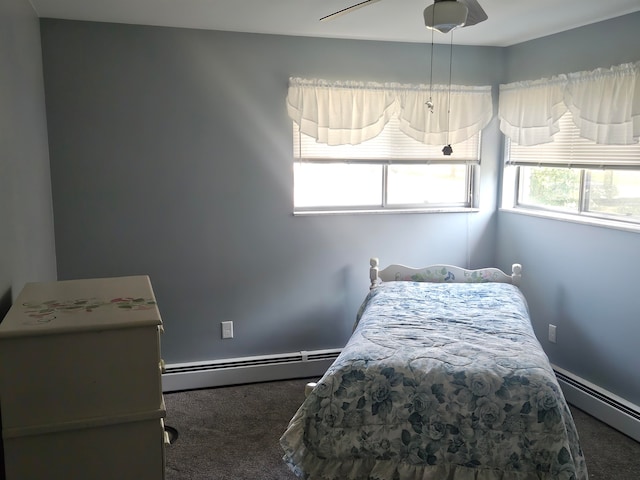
(429, 105)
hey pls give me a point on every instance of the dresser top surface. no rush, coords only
(79, 305)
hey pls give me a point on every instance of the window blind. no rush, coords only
(569, 149)
(390, 146)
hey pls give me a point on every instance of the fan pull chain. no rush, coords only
(447, 150)
(430, 101)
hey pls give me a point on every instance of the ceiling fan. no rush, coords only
(442, 15)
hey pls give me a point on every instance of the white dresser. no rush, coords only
(80, 381)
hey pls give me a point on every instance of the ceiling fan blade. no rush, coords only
(344, 11)
(476, 13)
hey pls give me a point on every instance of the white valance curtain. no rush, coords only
(604, 104)
(349, 113)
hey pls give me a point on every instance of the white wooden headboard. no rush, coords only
(441, 273)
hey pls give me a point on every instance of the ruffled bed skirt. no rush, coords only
(371, 469)
(309, 466)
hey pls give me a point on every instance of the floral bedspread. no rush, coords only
(438, 381)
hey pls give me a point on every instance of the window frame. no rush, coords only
(470, 185)
(511, 191)
(385, 207)
(569, 150)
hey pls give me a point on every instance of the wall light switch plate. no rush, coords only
(552, 333)
(227, 329)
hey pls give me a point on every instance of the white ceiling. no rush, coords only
(510, 21)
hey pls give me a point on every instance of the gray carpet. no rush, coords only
(232, 433)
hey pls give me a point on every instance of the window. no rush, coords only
(575, 176)
(378, 147)
(391, 172)
(573, 150)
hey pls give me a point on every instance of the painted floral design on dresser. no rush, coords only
(45, 312)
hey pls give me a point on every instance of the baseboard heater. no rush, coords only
(235, 371)
(600, 403)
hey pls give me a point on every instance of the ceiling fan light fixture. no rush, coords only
(444, 16)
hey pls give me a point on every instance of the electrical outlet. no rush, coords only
(227, 329)
(552, 333)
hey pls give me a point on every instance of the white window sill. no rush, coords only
(580, 219)
(386, 211)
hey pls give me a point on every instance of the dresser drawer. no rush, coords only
(79, 375)
(130, 451)
(80, 349)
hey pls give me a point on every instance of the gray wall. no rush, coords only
(171, 155)
(27, 250)
(593, 295)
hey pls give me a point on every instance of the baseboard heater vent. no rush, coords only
(234, 371)
(600, 403)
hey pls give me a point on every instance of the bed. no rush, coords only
(443, 379)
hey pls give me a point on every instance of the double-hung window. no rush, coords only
(584, 162)
(574, 175)
(391, 172)
(381, 147)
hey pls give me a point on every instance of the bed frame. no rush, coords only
(440, 274)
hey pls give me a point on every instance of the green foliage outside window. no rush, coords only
(557, 187)
(614, 193)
